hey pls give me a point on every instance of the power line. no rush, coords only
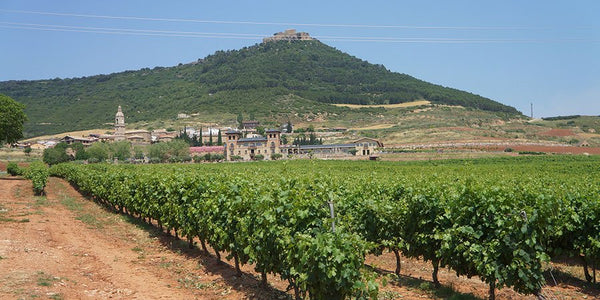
(121, 32)
(191, 33)
(246, 36)
(272, 23)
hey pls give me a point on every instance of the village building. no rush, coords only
(139, 136)
(250, 125)
(85, 141)
(38, 146)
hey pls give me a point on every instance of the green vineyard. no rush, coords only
(313, 222)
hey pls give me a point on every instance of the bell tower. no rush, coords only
(120, 123)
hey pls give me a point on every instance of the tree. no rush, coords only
(158, 152)
(219, 139)
(284, 139)
(200, 141)
(27, 150)
(210, 140)
(138, 152)
(97, 152)
(289, 128)
(121, 150)
(12, 118)
(240, 119)
(80, 154)
(312, 139)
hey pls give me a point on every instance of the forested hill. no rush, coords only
(246, 80)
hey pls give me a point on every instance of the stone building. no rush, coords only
(360, 147)
(249, 148)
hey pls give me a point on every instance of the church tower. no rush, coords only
(119, 125)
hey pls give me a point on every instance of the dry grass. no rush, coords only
(378, 126)
(81, 133)
(399, 105)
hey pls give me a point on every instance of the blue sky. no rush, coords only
(514, 52)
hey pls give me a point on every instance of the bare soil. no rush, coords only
(64, 246)
(558, 132)
(550, 149)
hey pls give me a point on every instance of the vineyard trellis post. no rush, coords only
(332, 213)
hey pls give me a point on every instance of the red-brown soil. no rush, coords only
(558, 132)
(64, 246)
(548, 149)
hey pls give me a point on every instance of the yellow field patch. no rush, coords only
(398, 105)
(378, 126)
(80, 133)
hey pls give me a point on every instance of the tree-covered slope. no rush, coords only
(253, 79)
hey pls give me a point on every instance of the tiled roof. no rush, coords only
(253, 139)
(308, 147)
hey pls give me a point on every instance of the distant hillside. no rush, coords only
(258, 80)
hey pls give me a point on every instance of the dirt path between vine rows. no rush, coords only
(64, 246)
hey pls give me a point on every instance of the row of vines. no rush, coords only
(312, 223)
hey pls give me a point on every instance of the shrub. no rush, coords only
(509, 150)
(236, 158)
(38, 174)
(259, 157)
(56, 155)
(217, 157)
(155, 160)
(13, 169)
(276, 156)
(531, 153)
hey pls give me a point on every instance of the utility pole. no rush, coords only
(532, 110)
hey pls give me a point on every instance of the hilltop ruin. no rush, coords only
(289, 35)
